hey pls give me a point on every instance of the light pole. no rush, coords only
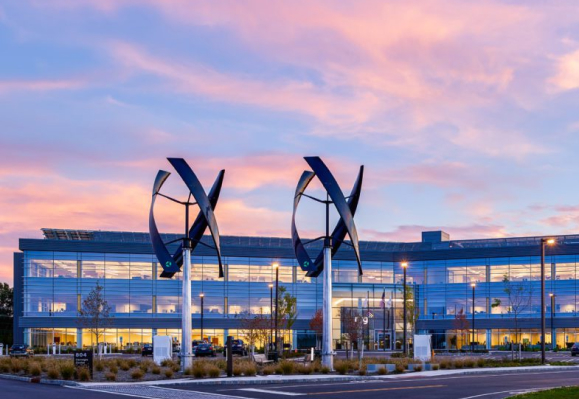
(270, 314)
(404, 266)
(202, 296)
(473, 285)
(276, 267)
(553, 342)
(549, 241)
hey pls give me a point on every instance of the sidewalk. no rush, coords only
(281, 379)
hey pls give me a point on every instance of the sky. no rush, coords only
(463, 113)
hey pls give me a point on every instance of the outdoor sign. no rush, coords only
(162, 348)
(422, 350)
(83, 359)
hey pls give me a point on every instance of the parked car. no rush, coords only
(575, 349)
(21, 350)
(147, 350)
(204, 349)
(195, 343)
(238, 347)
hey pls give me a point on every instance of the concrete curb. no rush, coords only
(37, 380)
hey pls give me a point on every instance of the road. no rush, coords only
(483, 386)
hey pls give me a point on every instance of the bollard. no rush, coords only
(229, 356)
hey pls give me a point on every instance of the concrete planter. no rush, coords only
(373, 368)
(428, 366)
(411, 367)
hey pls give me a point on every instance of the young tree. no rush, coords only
(519, 300)
(6, 313)
(94, 313)
(286, 309)
(317, 326)
(255, 329)
(353, 327)
(460, 323)
(411, 308)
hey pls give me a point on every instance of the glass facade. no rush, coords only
(55, 283)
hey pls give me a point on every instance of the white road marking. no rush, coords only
(272, 392)
(510, 392)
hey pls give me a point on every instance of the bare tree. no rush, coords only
(286, 309)
(519, 300)
(94, 313)
(460, 323)
(317, 325)
(353, 327)
(255, 328)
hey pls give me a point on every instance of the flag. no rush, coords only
(383, 301)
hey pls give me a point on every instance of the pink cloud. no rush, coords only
(413, 233)
(39, 85)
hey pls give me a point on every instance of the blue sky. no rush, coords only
(464, 113)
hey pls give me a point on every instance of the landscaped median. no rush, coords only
(123, 369)
(557, 393)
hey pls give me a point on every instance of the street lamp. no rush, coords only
(270, 314)
(553, 341)
(544, 241)
(404, 266)
(276, 267)
(473, 285)
(202, 296)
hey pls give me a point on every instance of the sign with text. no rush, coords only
(83, 359)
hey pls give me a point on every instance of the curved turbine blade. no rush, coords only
(301, 254)
(205, 207)
(167, 261)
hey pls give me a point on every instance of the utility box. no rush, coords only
(162, 348)
(422, 347)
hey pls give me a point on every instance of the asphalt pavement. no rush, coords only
(497, 385)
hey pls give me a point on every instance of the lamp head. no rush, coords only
(404, 265)
(201, 295)
(270, 285)
(551, 295)
(551, 241)
(473, 285)
(275, 265)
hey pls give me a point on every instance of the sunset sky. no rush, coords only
(464, 113)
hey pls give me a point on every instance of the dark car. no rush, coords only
(238, 347)
(147, 350)
(21, 350)
(575, 349)
(204, 349)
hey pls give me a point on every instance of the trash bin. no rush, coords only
(273, 355)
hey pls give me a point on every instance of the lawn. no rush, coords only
(557, 393)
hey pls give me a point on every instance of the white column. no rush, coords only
(186, 344)
(79, 338)
(327, 350)
(489, 338)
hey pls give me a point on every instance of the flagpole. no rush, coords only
(384, 319)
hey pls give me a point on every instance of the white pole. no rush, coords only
(186, 344)
(327, 350)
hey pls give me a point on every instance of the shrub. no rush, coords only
(214, 371)
(175, 367)
(156, 370)
(199, 370)
(53, 373)
(67, 370)
(132, 363)
(124, 366)
(435, 367)
(166, 363)
(286, 367)
(382, 371)
(316, 366)
(110, 376)
(137, 374)
(303, 369)
(237, 370)
(341, 367)
(83, 374)
(400, 368)
(417, 367)
(99, 365)
(35, 370)
(144, 366)
(4, 367)
(168, 373)
(458, 364)
(250, 370)
(267, 370)
(15, 365)
(480, 362)
(469, 363)
(325, 369)
(113, 368)
(445, 364)
(362, 370)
